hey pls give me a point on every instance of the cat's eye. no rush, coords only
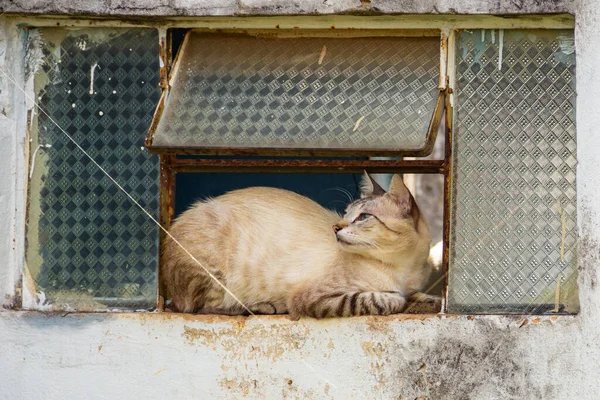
(362, 217)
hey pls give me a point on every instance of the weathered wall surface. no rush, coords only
(173, 356)
(154, 356)
(12, 153)
(587, 44)
(148, 8)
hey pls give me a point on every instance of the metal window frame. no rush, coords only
(171, 165)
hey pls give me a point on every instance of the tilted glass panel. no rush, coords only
(240, 91)
(514, 232)
(88, 246)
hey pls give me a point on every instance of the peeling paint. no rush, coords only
(287, 338)
(566, 45)
(34, 59)
(500, 48)
(41, 146)
(274, 357)
(92, 70)
(373, 349)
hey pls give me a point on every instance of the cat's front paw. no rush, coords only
(426, 298)
(386, 303)
(264, 308)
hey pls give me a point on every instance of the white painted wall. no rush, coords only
(12, 161)
(153, 356)
(176, 356)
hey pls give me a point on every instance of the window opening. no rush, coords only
(227, 69)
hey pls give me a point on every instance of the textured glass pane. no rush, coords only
(330, 93)
(88, 246)
(514, 234)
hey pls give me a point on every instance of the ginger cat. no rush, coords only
(279, 252)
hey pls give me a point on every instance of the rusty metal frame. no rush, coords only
(449, 107)
(167, 175)
(306, 165)
(447, 170)
(171, 164)
(166, 210)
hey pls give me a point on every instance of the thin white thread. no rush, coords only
(10, 78)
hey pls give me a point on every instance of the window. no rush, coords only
(88, 246)
(514, 221)
(284, 108)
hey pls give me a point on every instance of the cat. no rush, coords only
(280, 252)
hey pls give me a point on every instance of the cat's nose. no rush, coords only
(336, 228)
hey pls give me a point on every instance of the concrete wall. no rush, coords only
(159, 8)
(56, 356)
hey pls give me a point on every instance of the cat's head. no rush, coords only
(382, 225)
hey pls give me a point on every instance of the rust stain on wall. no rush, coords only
(271, 342)
(205, 336)
(242, 387)
(377, 325)
(373, 349)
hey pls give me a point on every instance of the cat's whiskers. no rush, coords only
(374, 244)
(345, 192)
(366, 241)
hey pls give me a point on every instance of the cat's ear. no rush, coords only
(404, 199)
(399, 189)
(368, 187)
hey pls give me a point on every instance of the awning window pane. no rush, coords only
(326, 93)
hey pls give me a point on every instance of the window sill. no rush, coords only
(378, 322)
